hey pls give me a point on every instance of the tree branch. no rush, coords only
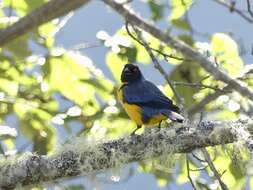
(41, 15)
(232, 8)
(195, 108)
(188, 173)
(211, 97)
(199, 85)
(156, 63)
(83, 157)
(249, 8)
(185, 49)
(213, 169)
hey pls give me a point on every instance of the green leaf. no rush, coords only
(47, 31)
(9, 143)
(103, 86)
(162, 182)
(44, 138)
(236, 171)
(22, 7)
(129, 53)
(138, 52)
(223, 162)
(251, 182)
(35, 125)
(115, 64)
(179, 8)
(19, 47)
(182, 174)
(223, 113)
(9, 71)
(189, 73)
(171, 52)
(226, 51)
(2, 16)
(142, 54)
(32, 4)
(181, 24)
(162, 168)
(187, 39)
(6, 21)
(157, 9)
(226, 165)
(117, 125)
(66, 75)
(9, 86)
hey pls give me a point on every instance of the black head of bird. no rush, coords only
(130, 73)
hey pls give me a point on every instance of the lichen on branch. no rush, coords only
(83, 157)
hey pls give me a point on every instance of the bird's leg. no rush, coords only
(159, 126)
(138, 127)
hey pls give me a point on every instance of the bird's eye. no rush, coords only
(135, 70)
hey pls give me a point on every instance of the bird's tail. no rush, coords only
(174, 116)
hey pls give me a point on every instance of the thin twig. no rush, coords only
(85, 45)
(210, 162)
(214, 170)
(187, 17)
(165, 55)
(232, 8)
(182, 47)
(249, 9)
(189, 174)
(204, 78)
(195, 108)
(155, 61)
(200, 160)
(211, 97)
(197, 158)
(200, 85)
(198, 169)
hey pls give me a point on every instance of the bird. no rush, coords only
(143, 101)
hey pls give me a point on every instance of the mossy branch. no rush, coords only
(83, 157)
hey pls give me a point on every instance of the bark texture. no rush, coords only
(83, 157)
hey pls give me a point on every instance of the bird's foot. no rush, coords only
(182, 129)
(158, 127)
(133, 133)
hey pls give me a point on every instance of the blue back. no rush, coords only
(147, 96)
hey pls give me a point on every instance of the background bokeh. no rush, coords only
(47, 103)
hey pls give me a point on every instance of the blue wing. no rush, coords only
(146, 94)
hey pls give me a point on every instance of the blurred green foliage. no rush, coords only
(62, 86)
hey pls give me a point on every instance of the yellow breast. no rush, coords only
(133, 111)
(156, 119)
